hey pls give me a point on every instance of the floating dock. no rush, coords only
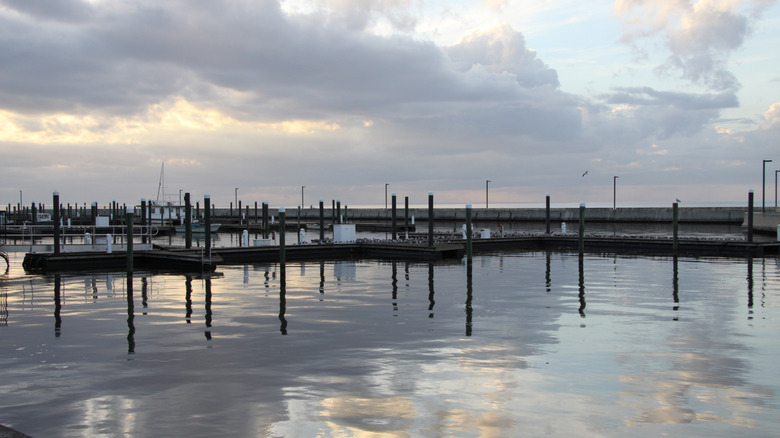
(195, 260)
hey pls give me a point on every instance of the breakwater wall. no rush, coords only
(709, 215)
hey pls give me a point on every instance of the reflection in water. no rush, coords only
(547, 278)
(282, 298)
(207, 332)
(750, 287)
(130, 316)
(144, 293)
(469, 295)
(394, 283)
(581, 265)
(364, 368)
(322, 279)
(430, 290)
(57, 306)
(675, 286)
(188, 298)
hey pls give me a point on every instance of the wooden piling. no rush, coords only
(394, 227)
(265, 220)
(582, 229)
(207, 223)
(282, 255)
(750, 216)
(322, 221)
(430, 218)
(406, 217)
(129, 220)
(143, 222)
(547, 215)
(468, 234)
(676, 226)
(56, 221)
(187, 221)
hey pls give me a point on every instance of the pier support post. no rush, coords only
(430, 218)
(547, 215)
(338, 212)
(468, 234)
(238, 213)
(207, 223)
(406, 217)
(676, 224)
(94, 213)
(750, 216)
(56, 221)
(582, 229)
(282, 255)
(394, 234)
(265, 220)
(187, 221)
(130, 217)
(143, 222)
(322, 221)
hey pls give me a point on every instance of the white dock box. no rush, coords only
(344, 233)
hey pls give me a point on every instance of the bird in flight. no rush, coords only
(583, 175)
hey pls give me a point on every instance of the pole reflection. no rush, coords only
(394, 284)
(547, 277)
(675, 287)
(130, 317)
(144, 295)
(582, 285)
(282, 299)
(188, 298)
(322, 280)
(430, 290)
(57, 306)
(207, 332)
(750, 286)
(469, 296)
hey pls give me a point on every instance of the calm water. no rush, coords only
(530, 344)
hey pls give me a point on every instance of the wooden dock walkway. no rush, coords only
(194, 260)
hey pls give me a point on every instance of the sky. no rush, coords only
(256, 99)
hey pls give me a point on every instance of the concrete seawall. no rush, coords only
(709, 215)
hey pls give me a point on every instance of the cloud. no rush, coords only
(502, 50)
(699, 35)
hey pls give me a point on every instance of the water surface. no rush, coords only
(521, 344)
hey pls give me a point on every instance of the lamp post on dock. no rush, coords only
(763, 185)
(236, 191)
(614, 191)
(487, 182)
(302, 204)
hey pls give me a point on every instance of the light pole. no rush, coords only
(763, 185)
(487, 182)
(614, 191)
(386, 184)
(776, 171)
(239, 213)
(302, 187)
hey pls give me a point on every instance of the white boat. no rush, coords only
(198, 227)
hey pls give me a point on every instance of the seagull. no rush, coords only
(583, 175)
(678, 199)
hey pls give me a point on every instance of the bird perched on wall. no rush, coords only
(583, 175)
(678, 199)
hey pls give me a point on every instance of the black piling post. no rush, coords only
(406, 217)
(322, 221)
(394, 234)
(145, 230)
(187, 221)
(282, 253)
(94, 213)
(468, 234)
(34, 211)
(129, 221)
(255, 211)
(547, 215)
(238, 211)
(750, 216)
(298, 229)
(338, 211)
(676, 225)
(265, 220)
(207, 223)
(430, 218)
(582, 229)
(56, 221)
